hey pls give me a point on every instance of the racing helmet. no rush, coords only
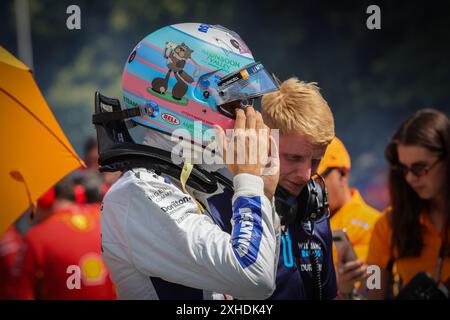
(188, 75)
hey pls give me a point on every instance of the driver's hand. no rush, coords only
(249, 147)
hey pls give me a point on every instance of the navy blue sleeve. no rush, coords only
(328, 274)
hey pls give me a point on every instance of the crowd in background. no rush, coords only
(53, 251)
(410, 237)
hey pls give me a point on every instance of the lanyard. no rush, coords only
(185, 173)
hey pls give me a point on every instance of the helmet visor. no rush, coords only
(250, 82)
(229, 91)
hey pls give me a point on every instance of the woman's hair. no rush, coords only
(430, 129)
(299, 106)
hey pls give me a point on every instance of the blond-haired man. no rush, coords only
(306, 127)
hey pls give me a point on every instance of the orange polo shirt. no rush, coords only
(358, 218)
(407, 268)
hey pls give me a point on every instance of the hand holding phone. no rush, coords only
(345, 249)
(350, 269)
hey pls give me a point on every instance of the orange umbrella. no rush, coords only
(35, 153)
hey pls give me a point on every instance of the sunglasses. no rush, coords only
(417, 169)
(229, 109)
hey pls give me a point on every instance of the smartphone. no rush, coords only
(343, 245)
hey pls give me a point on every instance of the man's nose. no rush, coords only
(302, 173)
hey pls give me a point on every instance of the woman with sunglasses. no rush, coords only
(412, 236)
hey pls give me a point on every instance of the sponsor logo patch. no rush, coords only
(160, 194)
(246, 237)
(170, 118)
(175, 204)
(243, 242)
(92, 269)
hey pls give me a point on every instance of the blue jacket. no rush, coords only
(294, 279)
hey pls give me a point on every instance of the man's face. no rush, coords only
(91, 159)
(336, 183)
(299, 160)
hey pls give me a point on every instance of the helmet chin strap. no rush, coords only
(189, 152)
(185, 173)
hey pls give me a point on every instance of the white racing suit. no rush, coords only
(158, 245)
